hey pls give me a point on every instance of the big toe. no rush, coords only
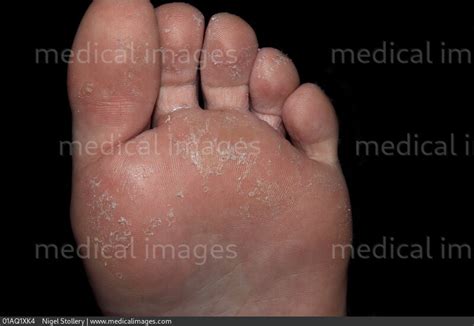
(113, 89)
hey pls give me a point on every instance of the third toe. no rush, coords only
(230, 49)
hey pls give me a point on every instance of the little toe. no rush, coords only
(311, 122)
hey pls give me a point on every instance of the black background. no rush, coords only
(408, 198)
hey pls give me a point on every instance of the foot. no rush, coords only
(185, 210)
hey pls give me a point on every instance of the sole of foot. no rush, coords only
(236, 208)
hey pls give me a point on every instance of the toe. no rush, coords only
(181, 32)
(113, 80)
(311, 122)
(230, 49)
(273, 79)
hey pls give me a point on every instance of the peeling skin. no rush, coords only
(130, 84)
(95, 183)
(235, 72)
(103, 205)
(115, 245)
(255, 194)
(179, 107)
(120, 237)
(268, 67)
(246, 171)
(154, 223)
(266, 184)
(170, 217)
(198, 19)
(207, 154)
(113, 235)
(245, 211)
(136, 179)
(123, 221)
(86, 90)
(264, 192)
(141, 171)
